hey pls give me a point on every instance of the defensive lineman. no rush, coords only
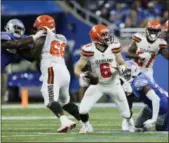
(154, 97)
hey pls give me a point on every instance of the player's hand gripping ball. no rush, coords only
(93, 78)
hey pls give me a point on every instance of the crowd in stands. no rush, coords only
(128, 13)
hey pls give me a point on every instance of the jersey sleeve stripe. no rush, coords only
(163, 46)
(85, 53)
(136, 39)
(116, 50)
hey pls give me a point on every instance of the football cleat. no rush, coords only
(128, 125)
(86, 129)
(67, 127)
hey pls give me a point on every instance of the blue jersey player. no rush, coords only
(13, 41)
(155, 98)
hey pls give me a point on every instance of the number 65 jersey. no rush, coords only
(102, 61)
(53, 50)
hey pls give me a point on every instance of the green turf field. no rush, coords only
(40, 125)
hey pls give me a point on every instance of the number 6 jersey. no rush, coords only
(101, 62)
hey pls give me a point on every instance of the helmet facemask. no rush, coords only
(16, 28)
(153, 34)
(106, 37)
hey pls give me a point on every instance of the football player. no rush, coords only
(14, 40)
(104, 57)
(155, 98)
(49, 50)
(165, 33)
(146, 47)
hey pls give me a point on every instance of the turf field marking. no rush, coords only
(98, 105)
(30, 117)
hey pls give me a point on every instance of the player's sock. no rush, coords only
(87, 124)
(84, 117)
(72, 109)
(63, 119)
(56, 109)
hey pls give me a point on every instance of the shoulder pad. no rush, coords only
(87, 50)
(61, 37)
(162, 44)
(115, 47)
(5, 36)
(137, 37)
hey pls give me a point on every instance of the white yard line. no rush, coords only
(29, 117)
(98, 105)
(96, 132)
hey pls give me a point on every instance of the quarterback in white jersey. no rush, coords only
(146, 47)
(104, 57)
(55, 75)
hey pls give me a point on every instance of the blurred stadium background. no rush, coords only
(74, 19)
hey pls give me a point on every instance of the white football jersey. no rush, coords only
(152, 49)
(53, 49)
(101, 62)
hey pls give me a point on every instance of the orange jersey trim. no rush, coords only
(50, 75)
(136, 39)
(116, 50)
(88, 54)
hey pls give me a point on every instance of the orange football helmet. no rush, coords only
(100, 34)
(153, 30)
(44, 21)
(166, 28)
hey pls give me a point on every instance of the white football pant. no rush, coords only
(55, 86)
(95, 92)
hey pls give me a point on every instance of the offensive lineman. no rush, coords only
(55, 75)
(102, 54)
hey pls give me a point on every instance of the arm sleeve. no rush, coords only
(155, 103)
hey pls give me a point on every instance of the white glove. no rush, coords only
(83, 77)
(148, 124)
(38, 34)
(127, 88)
(121, 68)
(144, 55)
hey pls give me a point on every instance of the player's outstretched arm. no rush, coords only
(22, 42)
(131, 53)
(164, 53)
(17, 43)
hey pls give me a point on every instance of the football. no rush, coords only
(93, 78)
